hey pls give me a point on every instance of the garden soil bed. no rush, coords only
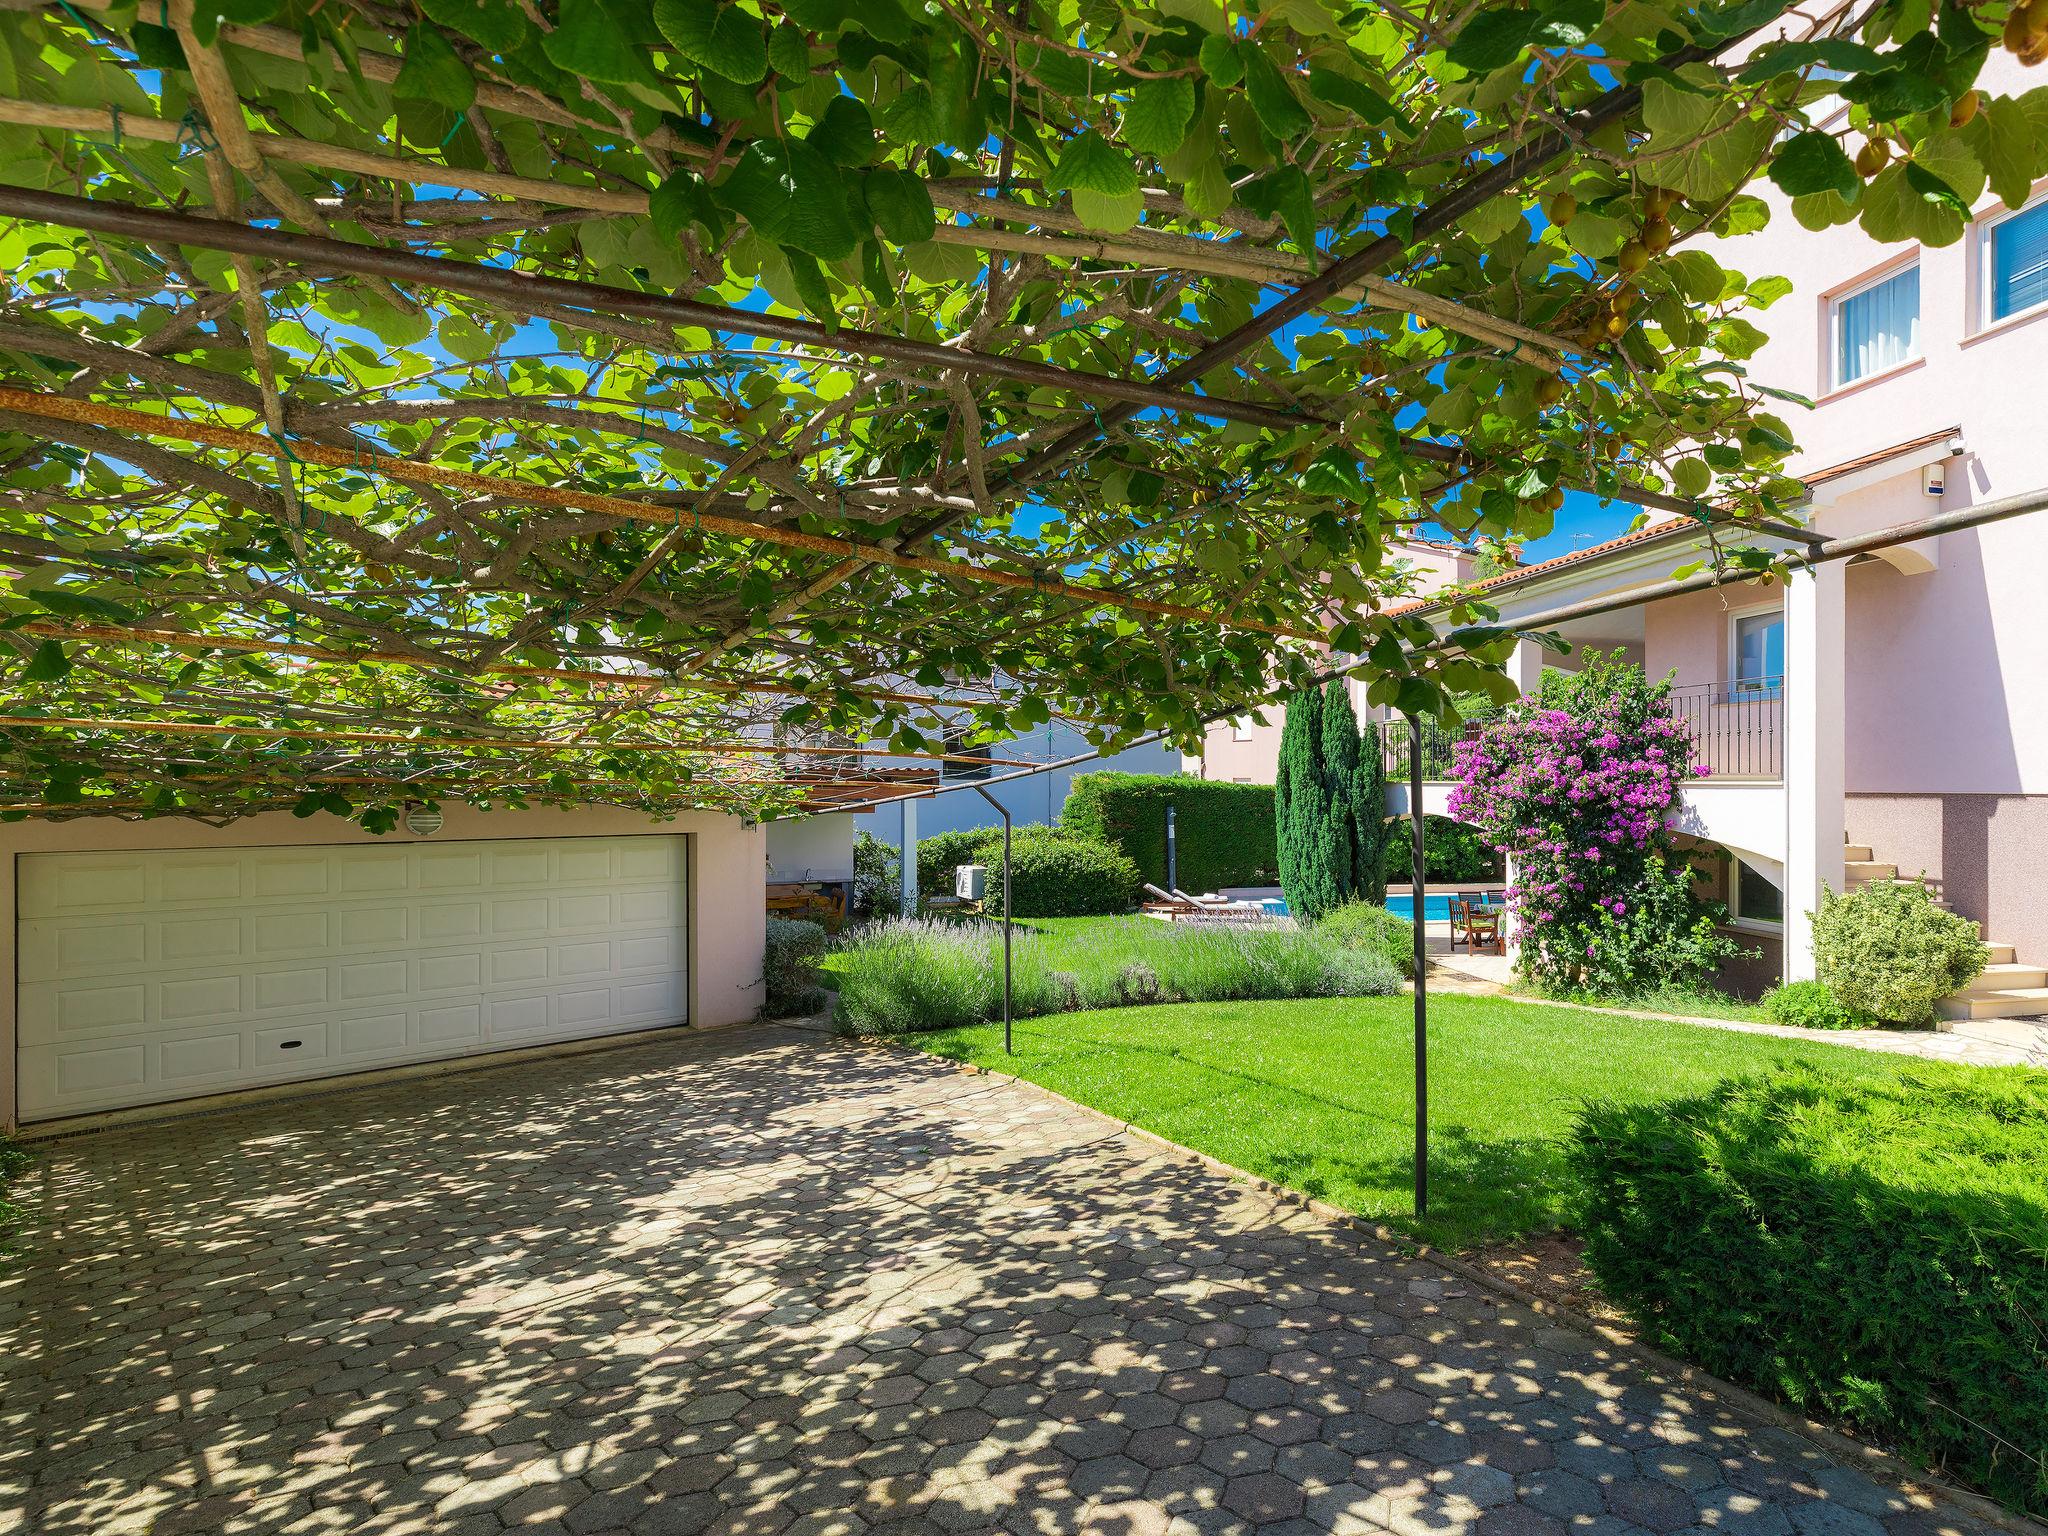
(1550, 1266)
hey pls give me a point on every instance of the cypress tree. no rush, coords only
(1340, 771)
(1315, 802)
(1329, 805)
(1371, 799)
(1296, 791)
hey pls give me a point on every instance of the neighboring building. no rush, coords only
(1246, 750)
(819, 849)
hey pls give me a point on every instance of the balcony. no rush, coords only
(1737, 731)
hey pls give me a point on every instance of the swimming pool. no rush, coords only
(1436, 908)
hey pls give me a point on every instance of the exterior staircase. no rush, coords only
(2003, 991)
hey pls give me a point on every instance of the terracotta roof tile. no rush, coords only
(1676, 525)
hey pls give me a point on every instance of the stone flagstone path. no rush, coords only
(767, 1283)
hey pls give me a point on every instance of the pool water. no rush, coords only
(1436, 909)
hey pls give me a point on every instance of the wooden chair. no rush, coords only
(1483, 930)
(1461, 919)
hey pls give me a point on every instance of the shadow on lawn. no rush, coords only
(1482, 1185)
(1477, 1185)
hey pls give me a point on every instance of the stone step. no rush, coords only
(2004, 977)
(1857, 853)
(1864, 871)
(2021, 1003)
(2032, 1037)
(1999, 954)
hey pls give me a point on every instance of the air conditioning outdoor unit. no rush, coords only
(970, 882)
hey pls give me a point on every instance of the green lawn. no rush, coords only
(1700, 1002)
(1061, 934)
(1318, 1094)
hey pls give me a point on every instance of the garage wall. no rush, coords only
(726, 891)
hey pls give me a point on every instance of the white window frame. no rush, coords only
(1985, 234)
(1241, 728)
(1732, 681)
(1831, 362)
(1735, 917)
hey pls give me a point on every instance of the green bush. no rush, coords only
(1887, 951)
(1052, 872)
(1808, 1004)
(1361, 925)
(943, 852)
(1223, 833)
(1866, 1249)
(877, 877)
(1452, 853)
(904, 976)
(790, 967)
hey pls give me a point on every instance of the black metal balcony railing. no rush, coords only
(1736, 730)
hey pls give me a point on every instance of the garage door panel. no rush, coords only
(373, 927)
(107, 1071)
(457, 1021)
(585, 865)
(298, 874)
(373, 872)
(511, 868)
(370, 1034)
(592, 909)
(446, 870)
(647, 908)
(200, 997)
(522, 915)
(199, 1059)
(177, 997)
(292, 933)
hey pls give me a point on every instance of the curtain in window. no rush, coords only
(2019, 262)
(1879, 327)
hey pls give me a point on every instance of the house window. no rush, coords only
(1757, 653)
(1756, 900)
(957, 746)
(1241, 728)
(2018, 261)
(1877, 326)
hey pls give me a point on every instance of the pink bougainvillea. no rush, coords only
(1577, 798)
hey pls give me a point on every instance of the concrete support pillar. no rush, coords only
(1525, 667)
(1815, 659)
(909, 858)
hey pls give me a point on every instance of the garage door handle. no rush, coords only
(289, 1045)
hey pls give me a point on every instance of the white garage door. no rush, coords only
(153, 976)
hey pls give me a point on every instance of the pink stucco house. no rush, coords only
(1889, 712)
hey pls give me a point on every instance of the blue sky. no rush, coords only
(1583, 519)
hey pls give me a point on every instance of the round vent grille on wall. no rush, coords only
(422, 821)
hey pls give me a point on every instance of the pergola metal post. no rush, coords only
(1418, 870)
(1003, 811)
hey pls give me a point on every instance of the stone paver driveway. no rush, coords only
(764, 1283)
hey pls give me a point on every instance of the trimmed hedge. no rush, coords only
(1871, 1250)
(1452, 852)
(1224, 832)
(1052, 872)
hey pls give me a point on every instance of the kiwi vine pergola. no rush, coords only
(702, 405)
